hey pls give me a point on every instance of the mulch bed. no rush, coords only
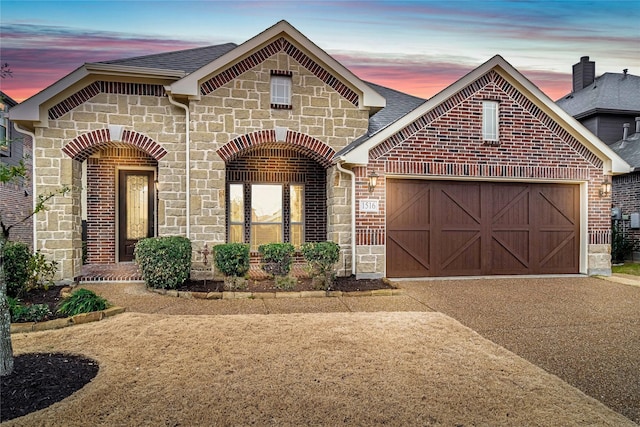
(344, 284)
(39, 380)
(51, 297)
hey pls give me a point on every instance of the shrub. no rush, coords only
(27, 313)
(285, 283)
(321, 257)
(276, 258)
(82, 301)
(621, 244)
(25, 271)
(165, 262)
(232, 259)
(16, 273)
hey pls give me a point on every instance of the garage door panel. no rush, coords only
(459, 253)
(456, 206)
(410, 250)
(511, 251)
(482, 228)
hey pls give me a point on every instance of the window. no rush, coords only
(236, 213)
(280, 89)
(266, 214)
(276, 213)
(490, 121)
(5, 147)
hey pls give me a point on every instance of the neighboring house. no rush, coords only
(626, 188)
(274, 140)
(15, 197)
(602, 104)
(608, 106)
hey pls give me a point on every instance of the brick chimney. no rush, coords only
(584, 73)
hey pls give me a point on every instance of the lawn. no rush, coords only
(632, 268)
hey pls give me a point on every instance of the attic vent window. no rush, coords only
(490, 122)
(281, 89)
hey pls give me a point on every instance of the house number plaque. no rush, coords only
(369, 205)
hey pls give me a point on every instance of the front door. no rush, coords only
(135, 210)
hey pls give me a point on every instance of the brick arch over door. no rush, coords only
(305, 144)
(83, 146)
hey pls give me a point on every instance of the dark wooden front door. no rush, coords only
(451, 228)
(135, 210)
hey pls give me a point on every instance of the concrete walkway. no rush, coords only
(584, 330)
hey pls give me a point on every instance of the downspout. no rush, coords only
(187, 158)
(33, 180)
(353, 213)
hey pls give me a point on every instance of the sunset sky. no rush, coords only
(418, 47)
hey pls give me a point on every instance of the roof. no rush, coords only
(398, 105)
(611, 92)
(629, 150)
(6, 99)
(187, 60)
(358, 151)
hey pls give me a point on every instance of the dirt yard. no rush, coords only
(304, 369)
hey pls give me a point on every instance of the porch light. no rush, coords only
(605, 188)
(373, 180)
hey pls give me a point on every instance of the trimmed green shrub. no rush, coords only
(276, 258)
(27, 313)
(232, 259)
(16, 273)
(25, 271)
(321, 257)
(165, 262)
(82, 301)
(621, 245)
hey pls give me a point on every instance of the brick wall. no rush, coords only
(16, 198)
(447, 142)
(626, 196)
(278, 164)
(101, 199)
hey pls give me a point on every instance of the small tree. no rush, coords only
(321, 257)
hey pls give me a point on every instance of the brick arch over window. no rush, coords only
(83, 146)
(308, 145)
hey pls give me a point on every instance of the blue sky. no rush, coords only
(419, 47)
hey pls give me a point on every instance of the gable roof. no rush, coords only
(611, 92)
(190, 85)
(358, 151)
(181, 72)
(187, 60)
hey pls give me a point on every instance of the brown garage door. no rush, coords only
(450, 228)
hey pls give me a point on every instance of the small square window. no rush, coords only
(280, 91)
(490, 121)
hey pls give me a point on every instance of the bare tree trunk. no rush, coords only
(6, 350)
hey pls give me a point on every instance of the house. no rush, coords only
(602, 104)
(608, 106)
(16, 196)
(626, 187)
(274, 140)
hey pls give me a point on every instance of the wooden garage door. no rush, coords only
(450, 228)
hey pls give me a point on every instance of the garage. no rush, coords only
(456, 228)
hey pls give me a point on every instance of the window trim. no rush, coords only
(491, 122)
(281, 101)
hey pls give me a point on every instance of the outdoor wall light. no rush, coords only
(605, 188)
(373, 180)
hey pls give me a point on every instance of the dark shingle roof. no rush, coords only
(629, 150)
(611, 91)
(398, 105)
(181, 60)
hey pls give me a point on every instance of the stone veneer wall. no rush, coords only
(339, 217)
(447, 142)
(240, 106)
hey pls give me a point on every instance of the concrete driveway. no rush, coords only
(584, 330)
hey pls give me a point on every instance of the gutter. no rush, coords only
(185, 107)
(353, 212)
(33, 180)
